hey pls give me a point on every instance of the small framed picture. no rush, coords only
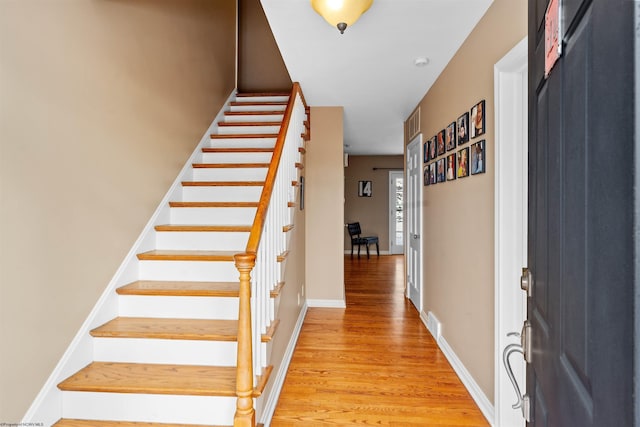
(426, 175)
(432, 148)
(450, 138)
(440, 177)
(425, 151)
(478, 157)
(477, 119)
(365, 189)
(441, 145)
(432, 173)
(451, 167)
(463, 162)
(463, 128)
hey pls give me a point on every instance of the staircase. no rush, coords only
(171, 356)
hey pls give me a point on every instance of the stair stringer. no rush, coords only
(47, 406)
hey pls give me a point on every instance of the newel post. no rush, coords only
(245, 415)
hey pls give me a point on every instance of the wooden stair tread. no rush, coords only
(275, 292)
(111, 377)
(243, 136)
(253, 103)
(175, 255)
(222, 183)
(254, 94)
(302, 150)
(194, 380)
(236, 150)
(204, 228)
(213, 204)
(229, 165)
(227, 124)
(65, 422)
(175, 288)
(254, 113)
(283, 256)
(171, 329)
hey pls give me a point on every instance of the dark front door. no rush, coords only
(582, 250)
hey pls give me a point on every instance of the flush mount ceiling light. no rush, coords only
(341, 13)
(421, 61)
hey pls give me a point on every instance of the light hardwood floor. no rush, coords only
(373, 363)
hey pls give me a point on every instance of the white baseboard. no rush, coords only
(272, 401)
(326, 303)
(467, 379)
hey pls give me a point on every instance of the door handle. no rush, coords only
(416, 236)
(523, 400)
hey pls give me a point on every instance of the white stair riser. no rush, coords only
(243, 142)
(198, 271)
(230, 216)
(229, 174)
(236, 157)
(221, 194)
(266, 107)
(241, 130)
(262, 98)
(254, 118)
(176, 352)
(201, 241)
(149, 407)
(178, 307)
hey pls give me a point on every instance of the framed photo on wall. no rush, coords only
(451, 167)
(426, 175)
(432, 173)
(425, 151)
(365, 188)
(450, 138)
(441, 145)
(463, 162)
(477, 119)
(463, 128)
(440, 174)
(432, 148)
(478, 157)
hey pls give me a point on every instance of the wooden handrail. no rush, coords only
(265, 197)
(245, 262)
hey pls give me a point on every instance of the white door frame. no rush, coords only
(417, 205)
(511, 171)
(394, 249)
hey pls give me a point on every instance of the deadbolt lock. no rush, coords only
(526, 281)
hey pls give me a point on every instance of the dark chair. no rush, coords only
(358, 240)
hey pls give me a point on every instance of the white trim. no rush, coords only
(326, 303)
(274, 395)
(47, 406)
(510, 222)
(407, 242)
(399, 249)
(474, 389)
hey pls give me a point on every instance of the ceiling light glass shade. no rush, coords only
(341, 13)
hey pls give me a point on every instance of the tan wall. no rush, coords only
(324, 203)
(458, 215)
(101, 104)
(260, 64)
(372, 212)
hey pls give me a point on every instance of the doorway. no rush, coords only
(396, 212)
(413, 240)
(511, 166)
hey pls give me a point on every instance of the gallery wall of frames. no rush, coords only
(457, 150)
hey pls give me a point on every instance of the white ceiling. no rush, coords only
(369, 70)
